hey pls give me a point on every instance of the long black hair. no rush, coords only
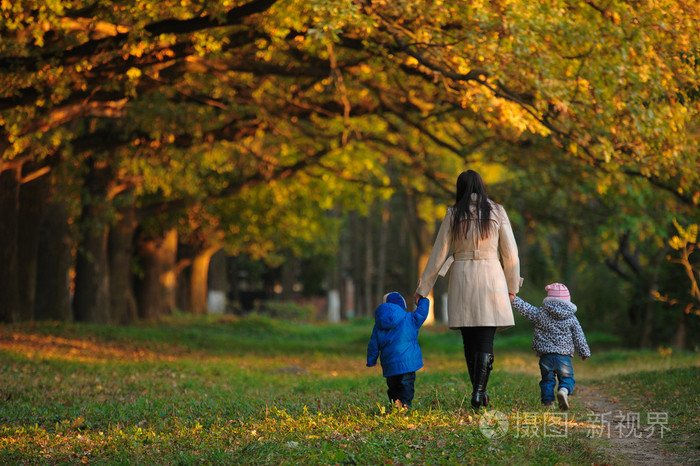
(468, 183)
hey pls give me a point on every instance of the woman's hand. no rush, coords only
(416, 298)
(512, 297)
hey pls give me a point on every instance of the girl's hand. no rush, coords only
(511, 296)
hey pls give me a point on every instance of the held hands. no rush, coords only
(511, 296)
(416, 298)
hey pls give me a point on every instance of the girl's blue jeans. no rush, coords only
(552, 367)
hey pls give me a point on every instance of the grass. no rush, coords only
(223, 390)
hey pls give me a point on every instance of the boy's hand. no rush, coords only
(416, 298)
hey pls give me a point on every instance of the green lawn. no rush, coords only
(228, 390)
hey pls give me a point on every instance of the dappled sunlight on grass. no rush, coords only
(33, 346)
(519, 363)
(615, 363)
(258, 390)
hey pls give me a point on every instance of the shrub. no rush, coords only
(288, 310)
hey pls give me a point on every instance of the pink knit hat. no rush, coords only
(557, 290)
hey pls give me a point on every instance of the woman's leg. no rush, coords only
(482, 340)
(468, 341)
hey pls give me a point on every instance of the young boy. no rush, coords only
(395, 341)
(557, 334)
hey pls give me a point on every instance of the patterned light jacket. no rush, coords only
(557, 329)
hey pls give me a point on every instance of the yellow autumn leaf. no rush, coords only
(133, 73)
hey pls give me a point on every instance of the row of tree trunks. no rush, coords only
(40, 252)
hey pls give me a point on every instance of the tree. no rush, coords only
(257, 119)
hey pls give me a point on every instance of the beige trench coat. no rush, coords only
(478, 285)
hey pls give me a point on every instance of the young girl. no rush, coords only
(557, 335)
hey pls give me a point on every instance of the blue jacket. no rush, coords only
(395, 336)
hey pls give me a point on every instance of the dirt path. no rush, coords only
(632, 439)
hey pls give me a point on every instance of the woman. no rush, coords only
(480, 289)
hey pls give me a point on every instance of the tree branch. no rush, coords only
(112, 43)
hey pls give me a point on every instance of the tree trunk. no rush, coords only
(423, 242)
(652, 286)
(338, 274)
(218, 282)
(198, 280)
(353, 281)
(381, 252)
(564, 259)
(289, 269)
(681, 331)
(9, 226)
(148, 293)
(31, 205)
(233, 294)
(54, 261)
(368, 274)
(182, 294)
(121, 250)
(185, 255)
(168, 272)
(91, 301)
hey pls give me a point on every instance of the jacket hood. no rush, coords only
(388, 315)
(558, 308)
(395, 298)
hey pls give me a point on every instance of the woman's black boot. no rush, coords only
(483, 365)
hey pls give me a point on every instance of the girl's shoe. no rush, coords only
(563, 399)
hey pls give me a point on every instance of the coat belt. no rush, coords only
(467, 256)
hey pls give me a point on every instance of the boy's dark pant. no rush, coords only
(401, 387)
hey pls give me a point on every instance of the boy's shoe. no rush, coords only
(563, 399)
(549, 404)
